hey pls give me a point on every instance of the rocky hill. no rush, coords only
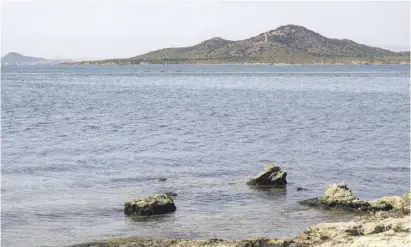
(290, 44)
(14, 58)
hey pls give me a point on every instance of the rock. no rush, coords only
(396, 202)
(157, 204)
(380, 205)
(399, 204)
(371, 228)
(338, 193)
(406, 198)
(301, 188)
(270, 176)
(170, 242)
(389, 214)
(162, 179)
(371, 232)
(340, 197)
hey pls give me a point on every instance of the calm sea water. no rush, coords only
(78, 142)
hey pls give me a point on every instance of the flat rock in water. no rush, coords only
(157, 204)
(270, 176)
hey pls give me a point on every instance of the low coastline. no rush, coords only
(374, 230)
(237, 63)
(376, 226)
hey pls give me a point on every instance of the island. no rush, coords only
(289, 44)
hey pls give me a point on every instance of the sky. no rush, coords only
(101, 29)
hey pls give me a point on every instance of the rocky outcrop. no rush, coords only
(370, 231)
(157, 204)
(270, 176)
(407, 196)
(383, 228)
(373, 231)
(398, 203)
(340, 197)
(407, 202)
(164, 242)
(289, 44)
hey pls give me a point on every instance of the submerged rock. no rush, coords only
(340, 197)
(270, 176)
(162, 179)
(157, 204)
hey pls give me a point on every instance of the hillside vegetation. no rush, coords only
(290, 44)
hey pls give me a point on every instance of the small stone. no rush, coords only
(162, 179)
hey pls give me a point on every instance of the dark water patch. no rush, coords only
(45, 168)
(132, 179)
(153, 218)
(49, 216)
(394, 169)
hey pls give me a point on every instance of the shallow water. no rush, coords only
(78, 142)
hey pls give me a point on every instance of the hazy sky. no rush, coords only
(96, 29)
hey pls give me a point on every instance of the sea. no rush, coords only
(79, 141)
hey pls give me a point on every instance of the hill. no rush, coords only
(14, 58)
(290, 44)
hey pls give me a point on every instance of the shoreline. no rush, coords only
(386, 222)
(375, 230)
(222, 64)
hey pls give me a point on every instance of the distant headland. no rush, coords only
(289, 44)
(17, 59)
